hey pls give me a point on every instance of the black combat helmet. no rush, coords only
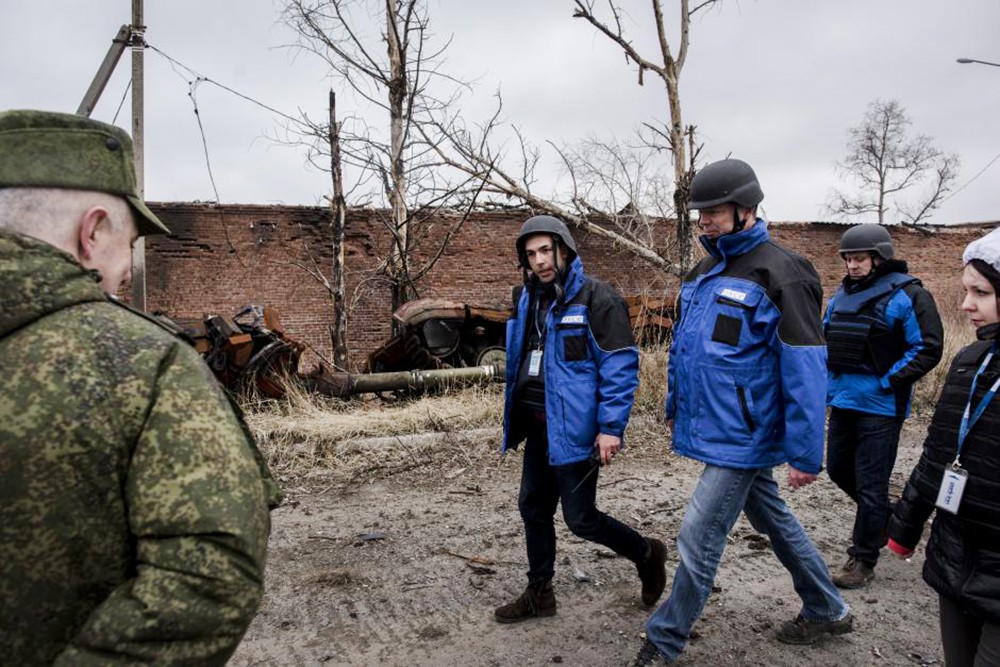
(867, 238)
(544, 224)
(729, 181)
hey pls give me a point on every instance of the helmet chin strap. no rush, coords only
(738, 222)
(557, 281)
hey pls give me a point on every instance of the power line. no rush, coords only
(201, 77)
(122, 102)
(969, 182)
(192, 88)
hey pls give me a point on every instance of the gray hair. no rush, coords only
(53, 214)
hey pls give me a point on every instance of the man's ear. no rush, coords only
(93, 222)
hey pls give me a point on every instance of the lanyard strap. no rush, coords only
(541, 327)
(967, 421)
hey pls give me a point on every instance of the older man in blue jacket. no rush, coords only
(572, 372)
(745, 394)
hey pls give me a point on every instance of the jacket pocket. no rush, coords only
(726, 412)
(741, 393)
(733, 310)
(572, 339)
(727, 329)
(575, 347)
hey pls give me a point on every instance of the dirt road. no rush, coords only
(406, 570)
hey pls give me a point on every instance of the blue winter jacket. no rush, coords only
(747, 363)
(911, 319)
(591, 367)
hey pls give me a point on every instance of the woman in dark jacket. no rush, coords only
(959, 476)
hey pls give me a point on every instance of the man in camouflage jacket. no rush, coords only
(133, 509)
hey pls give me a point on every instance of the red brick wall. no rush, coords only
(221, 258)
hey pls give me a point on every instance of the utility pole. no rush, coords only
(135, 36)
(139, 247)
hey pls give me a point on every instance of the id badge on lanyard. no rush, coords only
(534, 363)
(952, 488)
(535, 356)
(954, 479)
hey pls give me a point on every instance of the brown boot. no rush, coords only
(652, 571)
(537, 600)
(854, 574)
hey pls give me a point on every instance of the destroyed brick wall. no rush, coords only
(220, 258)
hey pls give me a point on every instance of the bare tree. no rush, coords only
(393, 71)
(621, 183)
(884, 160)
(502, 179)
(677, 137)
(595, 203)
(338, 216)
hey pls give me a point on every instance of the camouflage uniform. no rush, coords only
(133, 514)
(133, 521)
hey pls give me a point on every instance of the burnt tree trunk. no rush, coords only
(338, 215)
(397, 85)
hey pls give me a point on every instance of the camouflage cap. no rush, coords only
(45, 149)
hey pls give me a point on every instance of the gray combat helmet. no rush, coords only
(729, 181)
(867, 238)
(544, 224)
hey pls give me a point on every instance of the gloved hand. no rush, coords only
(898, 549)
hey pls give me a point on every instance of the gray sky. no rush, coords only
(775, 83)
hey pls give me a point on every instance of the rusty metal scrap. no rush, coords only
(248, 350)
(252, 351)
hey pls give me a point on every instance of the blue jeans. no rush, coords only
(861, 452)
(543, 486)
(721, 494)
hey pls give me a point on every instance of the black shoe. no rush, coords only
(652, 571)
(536, 601)
(804, 631)
(648, 655)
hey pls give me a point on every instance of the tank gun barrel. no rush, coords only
(349, 384)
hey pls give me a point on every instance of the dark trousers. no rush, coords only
(861, 451)
(969, 641)
(543, 486)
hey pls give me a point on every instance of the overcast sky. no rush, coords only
(777, 83)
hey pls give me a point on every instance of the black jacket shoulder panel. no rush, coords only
(792, 285)
(608, 315)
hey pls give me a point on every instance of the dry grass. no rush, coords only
(652, 391)
(307, 435)
(957, 334)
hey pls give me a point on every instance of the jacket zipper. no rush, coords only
(745, 409)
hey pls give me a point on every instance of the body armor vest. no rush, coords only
(858, 339)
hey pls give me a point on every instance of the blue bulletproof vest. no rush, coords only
(858, 339)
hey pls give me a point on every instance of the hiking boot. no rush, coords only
(652, 571)
(854, 574)
(648, 655)
(804, 631)
(537, 600)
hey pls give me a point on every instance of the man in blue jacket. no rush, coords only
(883, 333)
(572, 372)
(743, 398)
